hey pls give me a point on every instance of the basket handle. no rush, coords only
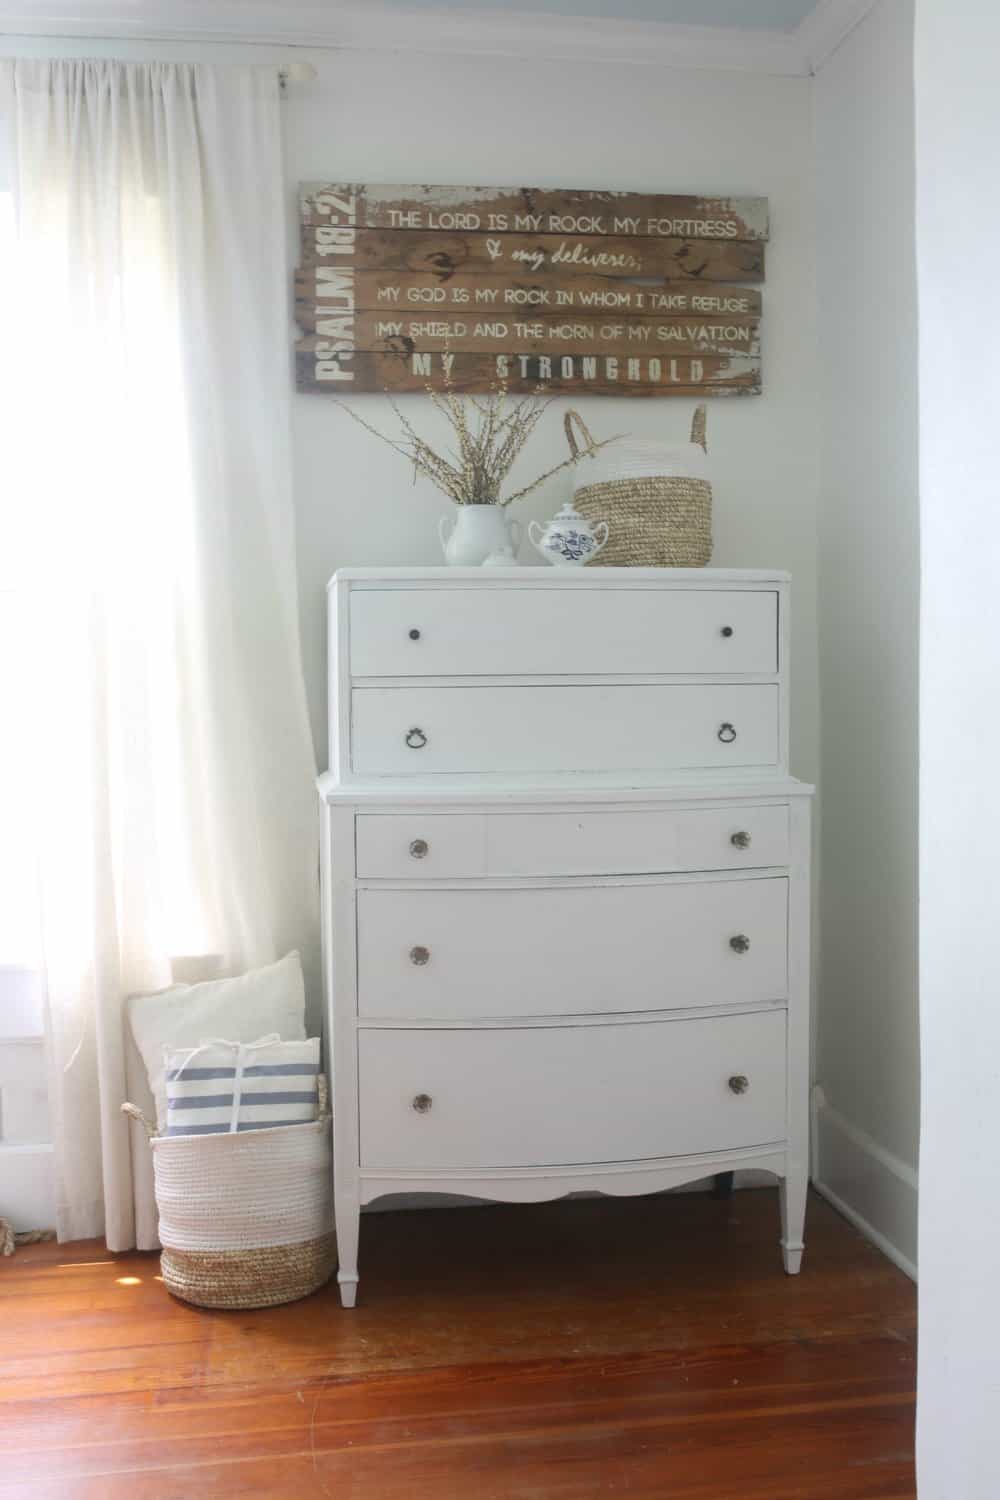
(589, 444)
(135, 1113)
(322, 1097)
(698, 427)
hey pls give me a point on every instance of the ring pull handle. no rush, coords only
(422, 1103)
(416, 739)
(419, 849)
(740, 840)
(726, 631)
(420, 955)
(739, 1083)
(740, 943)
(727, 733)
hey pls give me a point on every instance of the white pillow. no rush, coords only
(241, 1009)
(224, 1087)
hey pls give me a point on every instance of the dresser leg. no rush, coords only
(792, 1196)
(722, 1186)
(347, 1221)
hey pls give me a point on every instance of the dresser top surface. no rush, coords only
(576, 787)
(530, 576)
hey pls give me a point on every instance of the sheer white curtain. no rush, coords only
(144, 393)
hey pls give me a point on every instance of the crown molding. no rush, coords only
(577, 39)
(377, 27)
(823, 31)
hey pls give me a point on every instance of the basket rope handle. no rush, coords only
(698, 427)
(135, 1113)
(568, 420)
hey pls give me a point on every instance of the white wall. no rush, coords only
(958, 203)
(504, 120)
(405, 117)
(867, 1037)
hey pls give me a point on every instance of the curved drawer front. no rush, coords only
(571, 950)
(518, 632)
(420, 730)
(550, 1096)
(429, 846)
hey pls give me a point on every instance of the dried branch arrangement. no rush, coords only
(487, 447)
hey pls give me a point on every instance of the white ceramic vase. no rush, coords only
(474, 531)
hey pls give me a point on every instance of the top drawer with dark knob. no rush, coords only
(457, 632)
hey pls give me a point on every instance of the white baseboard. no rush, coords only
(870, 1186)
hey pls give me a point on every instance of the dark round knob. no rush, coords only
(423, 1102)
(420, 955)
(419, 848)
(727, 631)
(416, 739)
(414, 635)
(740, 943)
(727, 733)
(739, 1083)
(741, 840)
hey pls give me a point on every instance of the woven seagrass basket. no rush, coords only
(246, 1219)
(655, 497)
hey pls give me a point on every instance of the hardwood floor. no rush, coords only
(646, 1348)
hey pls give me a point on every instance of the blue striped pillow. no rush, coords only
(220, 1087)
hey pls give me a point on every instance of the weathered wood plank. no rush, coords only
(382, 291)
(535, 255)
(535, 333)
(534, 210)
(320, 366)
(572, 290)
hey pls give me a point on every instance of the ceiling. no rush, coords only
(750, 15)
(778, 37)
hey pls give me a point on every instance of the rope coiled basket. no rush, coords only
(246, 1218)
(656, 498)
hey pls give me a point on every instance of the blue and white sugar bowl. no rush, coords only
(568, 541)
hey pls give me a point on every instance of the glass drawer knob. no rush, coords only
(416, 739)
(727, 631)
(739, 1083)
(727, 733)
(741, 840)
(423, 1102)
(740, 943)
(419, 955)
(419, 848)
(414, 634)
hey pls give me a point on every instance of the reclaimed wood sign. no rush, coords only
(589, 293)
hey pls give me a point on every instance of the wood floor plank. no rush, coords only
(642, 1347)
(742, 1383)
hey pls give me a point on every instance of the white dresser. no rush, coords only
(566, 887)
